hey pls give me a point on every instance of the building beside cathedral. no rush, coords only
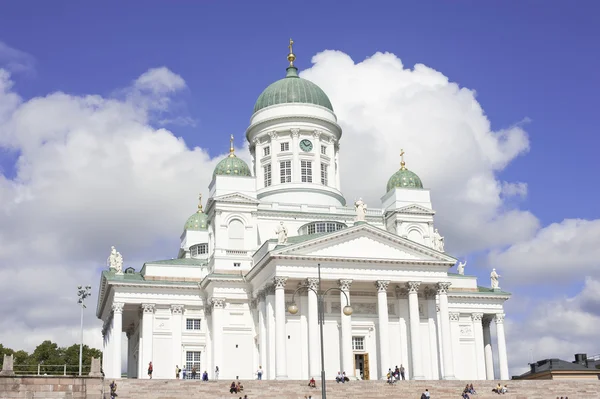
(256, 248)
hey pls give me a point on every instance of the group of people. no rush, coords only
(193, 373)
(500, 389)
(236, 388)
(469, 390)
(341, 377)
(393, 376)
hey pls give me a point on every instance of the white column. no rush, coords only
(314, 349)
(105, 346)
(455, 336)
(316, 165)
(176, 327)
(217, 333)
(446, 337)
(270, 292)
(275, 172)
(280, 333)
(295, 159)
(402, 296)
(383, 327)
(262, 332)
(502, 359)
(487, 344)
(415, 329)
(346, 321)
(208, 348)
(147, 333)
(336, 151)
(432, 322)
(479, 349)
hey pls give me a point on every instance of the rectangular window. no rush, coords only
(267, 175)
(266, 151)
(321, 227)
(199, 249)
(192, 324)
(358, 343)
(237, 264)
(285, 168)
(192, 362)
(285, 146)
(306, 171)
(311, 228)
(324, 150)
(324, 174)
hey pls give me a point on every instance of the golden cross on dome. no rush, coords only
(290, 46)
(402, 164)
(200, 203)
(291, 57)
(231, 150)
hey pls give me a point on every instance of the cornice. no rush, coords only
(334, 127)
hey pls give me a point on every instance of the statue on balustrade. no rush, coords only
(361, 210)
(494, 279)
(282, 234)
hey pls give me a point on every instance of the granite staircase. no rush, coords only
(183, 389)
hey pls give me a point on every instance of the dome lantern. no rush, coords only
(404, 178)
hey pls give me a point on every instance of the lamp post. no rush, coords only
(82, 293)
(293, 309)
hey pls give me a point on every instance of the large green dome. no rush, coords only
(292, 89)
(232, 166)
(404, 178)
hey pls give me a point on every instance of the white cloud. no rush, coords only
(383, 107)
(561, 252)
(14, 60)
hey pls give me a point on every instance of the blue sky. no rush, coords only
(533, 64)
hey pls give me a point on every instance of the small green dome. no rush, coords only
(404, 178)
(292, 89)
(198, 221)
(232, 166)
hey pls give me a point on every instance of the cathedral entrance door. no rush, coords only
(361, 365)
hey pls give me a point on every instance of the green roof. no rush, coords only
(491, 291)
(198, 221)
(138, 278)
(181, 261)
(404, 178)
(292, 89)
(232, 166)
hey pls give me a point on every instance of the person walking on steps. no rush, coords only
(150, 369)
(217, 373)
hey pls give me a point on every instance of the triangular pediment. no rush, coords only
(236, 198)
(365, 242)
(415, 209)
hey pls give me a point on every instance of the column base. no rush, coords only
(419, 378)
(449, 377)
(281, 377)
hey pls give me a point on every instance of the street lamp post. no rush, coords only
(293, 309)
(82, 293)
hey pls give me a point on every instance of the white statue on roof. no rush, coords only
(119, 263)
(282, 234)
(494, 279)
(461, 268)
(361, 210)
(112, 259)
(438, 241)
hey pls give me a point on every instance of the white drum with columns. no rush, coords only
(265, 228)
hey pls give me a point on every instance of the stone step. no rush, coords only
(175, 389)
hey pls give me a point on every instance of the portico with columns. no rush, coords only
(256, 245)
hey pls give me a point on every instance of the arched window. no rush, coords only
(235, 230)
(415, 235)
(320, 227)
(199, 251)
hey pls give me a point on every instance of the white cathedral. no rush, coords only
(244, 292)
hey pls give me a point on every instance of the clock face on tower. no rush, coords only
(306, 145)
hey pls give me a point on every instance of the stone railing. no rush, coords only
(40, 369)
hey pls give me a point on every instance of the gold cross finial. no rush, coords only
(402, 164)
(291, 57)
(231, 150)
(200, 203)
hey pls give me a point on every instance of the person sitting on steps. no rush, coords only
(312, 383)
(232, 387)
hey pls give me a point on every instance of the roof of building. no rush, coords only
(404, 178)
(198, 221)
(137, 277)
(556, 365)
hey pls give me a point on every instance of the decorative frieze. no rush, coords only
(442, 288)
(382, 285)
(413, 287)
(279, 282)
(148, 307)
(359, 308)
(117, 307)
(466, 330)
(344, 284)
(176, 309)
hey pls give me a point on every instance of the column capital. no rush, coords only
(117, 307)
(317, 134)
(442, 287)
(279, 282)
(295, 132)
(401, 293)
(413, 287)
(454, 316)
(477, 317)
(273, 135)
(382, 285)
(148, 307)
(217, 303)
(177, 309)
(344, 284)
(499, 318)
(312, 283)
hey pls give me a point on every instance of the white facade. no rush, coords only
(223, 302)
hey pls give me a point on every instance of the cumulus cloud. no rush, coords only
(384, 106)
(561, 252)
(14, 60)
